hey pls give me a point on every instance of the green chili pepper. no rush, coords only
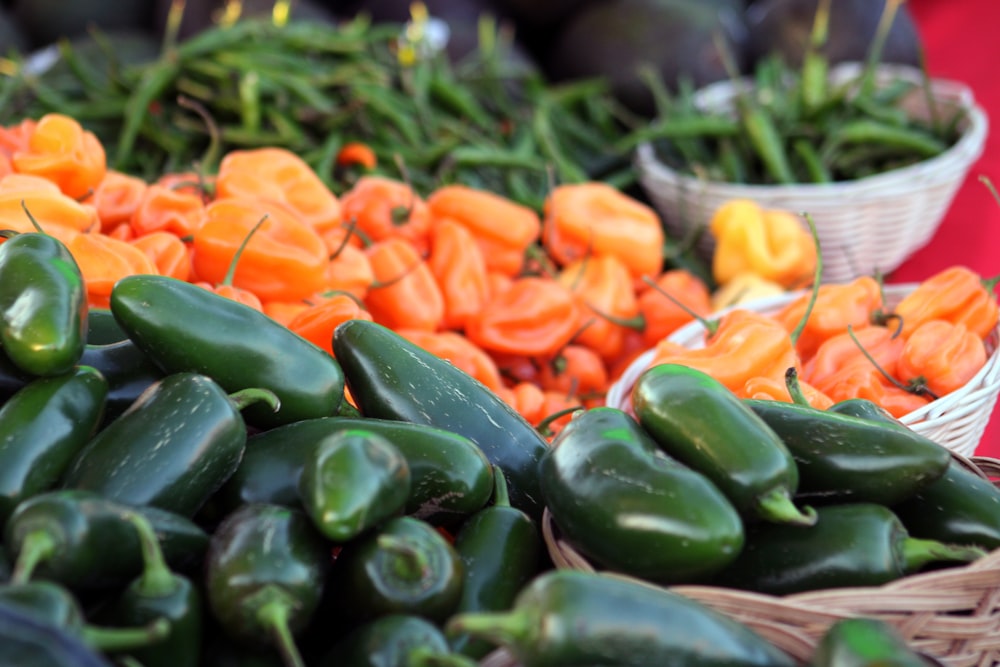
(405, 566)
(697, 420)
(394, 640)
(43, 304)
(667, 523)
(42, 428)
(264, 574)
(127, 371)
(28, 642)
(856, 544)
(567, 618)
(160, 593)
(500, 548)
(392, 378)
(65, 536)
(873, 132)
(183, 327)
(864, 642)
(173, 448)
(353, 481)
(103, 328)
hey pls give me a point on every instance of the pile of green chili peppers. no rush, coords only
(182, 482)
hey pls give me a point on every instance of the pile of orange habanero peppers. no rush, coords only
(547, 310)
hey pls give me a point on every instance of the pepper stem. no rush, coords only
(917, 553)
(34, 223)
(501, 628)
(776, 506)
(710, 325)
(123, 639)
(38, 546)
(273, 617)
(794, 387)
(817, 278)
(231, 271)
(247, 397)
(501, 496)
(410, 563)
(157, 579)
(425, 656)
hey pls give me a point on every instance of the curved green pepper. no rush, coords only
(43, 304)
(567, 618)
(622, 502)
(864, 642)
(103, 328)
(127, 370)
(405, 567)
(857, 544)
(264, 574)
(183, 327)
(844, 457)
(42, 428)
(393, 378)
(27, 642)
(394, 640)
(353, 481)
(173, 448)
(697, 420)
(450, 477)
(66, 535)
(500, 548)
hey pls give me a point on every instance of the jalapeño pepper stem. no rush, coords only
(157, 579)
(424, 656)
(793, 386)
(817, 278)
(501, 498)
(273, 615)
(247, 397)
(123, 639)
(777, 506)
(410, 562)
(916, 553)
(38, 546)
(503, 628)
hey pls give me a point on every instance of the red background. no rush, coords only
(962, 42)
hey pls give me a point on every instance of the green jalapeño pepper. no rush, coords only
(618, 499)
(128, 371)
(864, 642)
(394, 640)
(42, 428)
(183, 327)
(392, 378)
(353, 481)
(856, 544)
(568, 618)
(265, 572)
(28, 641)
(173, 448)
(85, 541)
(697, 420)
(43, 304)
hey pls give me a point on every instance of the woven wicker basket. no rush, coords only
(873, 223)
(956, 420)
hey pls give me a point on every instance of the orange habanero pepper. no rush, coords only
(941, 356)
(103, 261)
(604, 289)
(882, 344)
(859, 381)
(460, 351)
(316, 323)
(60, 150)
(405, 294)
(169, 254)
(52, 209)
(576, 371)
(770, 388)
(661, 315)
(349, 270)
(459, 268)
(116, 198)
(956, 294)
(381, 208)
(163, 209)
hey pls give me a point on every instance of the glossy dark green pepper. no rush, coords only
(66, 535)
(500, 548)
(42, 428)
(569, 618)
(393, 378)
(26, 641)
(353, 481)
(264, 573)
(450, 477)
(845, 457)
(857, 544)
(697, 420)
(183, 327)
(173, 448)
(619, 500)
(127, 370)
(864, 642)
(103, 328)
(43, 304)
(404, 567)
(160, 593)
(394, 640)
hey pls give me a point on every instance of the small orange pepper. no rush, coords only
(349, 270)
(770, 388)
(116, 198)
(14, 138)
(603, 287)
(46, 203)
(956, 294)
(941, 356)
(882, 344)
(405, 294)
(284, 312)
(858, 381)
(576, 371)
(103, 261)
(661, 315)
(528, 399)
(163, 209)
(316, 323)
(169, 254)
(460, 270)
(60, 150)
(355, 153)
(460, 351)
(381, 208)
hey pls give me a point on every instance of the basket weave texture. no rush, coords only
(951, 615)
(873, 223)
(956, 420)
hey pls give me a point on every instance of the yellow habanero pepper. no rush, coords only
(769, 242)
(744, 288)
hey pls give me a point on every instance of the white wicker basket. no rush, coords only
(956, 420)
(871, 224)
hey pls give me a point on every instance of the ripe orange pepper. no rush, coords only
(838, 305)
(316, 323)
(116, 198)
(382, 207)
(284, 260)
(460, 351)
(60, 150)
(770, 388)
(576, 371)
(941, 356)
(189, 183)
(234, 293)
(883, 345)
(860, 381)
(46, 203)
(163, 209)
(405, 294)
(603, 287)
(535, 316)
(956, 294)
(349, 270)
(5, 166)
(168, 253)
(14, 138)
(460, 271)
(503, 228)
(284, 312)
(103, 261)
(528, 399)
(355, 153)
(557, 411)
(277, 175)
(660, 315)
(596, 219)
